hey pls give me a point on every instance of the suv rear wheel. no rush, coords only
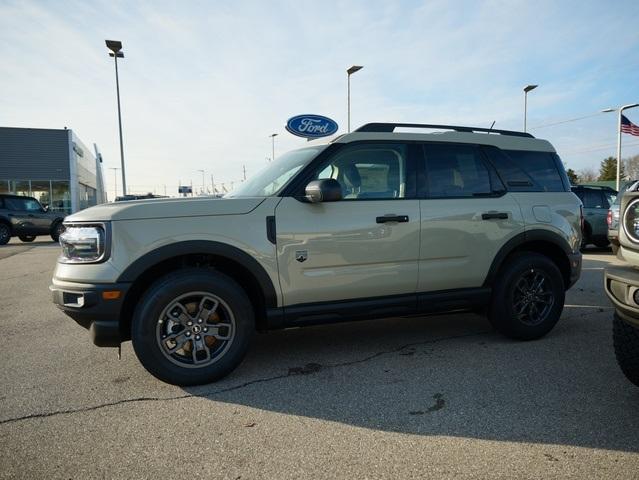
(626, 341)
(5, 233)
(528, 297)
(192, 327)
(56, 231)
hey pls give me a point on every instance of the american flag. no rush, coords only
(628, 127)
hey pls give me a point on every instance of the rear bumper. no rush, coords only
(622, 286)
(575, 260)
(613, 236)
(86, 304)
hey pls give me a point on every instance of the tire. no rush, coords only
(519, 310)
(27, 238)
(625, 339)
(5, 233)
(601, 242)
(615, 248)
(56, 231)
(164, 343)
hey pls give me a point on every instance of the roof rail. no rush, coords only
(390, 127)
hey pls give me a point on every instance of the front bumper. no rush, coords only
(87, 305)
(621, 284)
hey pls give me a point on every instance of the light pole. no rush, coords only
(621, 109)
(116, 52)
(203, 184)
(115, 180)
(349, 72)
(527, 89)
(273, 135)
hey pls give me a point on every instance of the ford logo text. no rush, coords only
(311, 126)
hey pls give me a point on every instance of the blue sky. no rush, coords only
(204, 84)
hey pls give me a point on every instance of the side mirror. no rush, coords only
(45, 207)
(325, 190)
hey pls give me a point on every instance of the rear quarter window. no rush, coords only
(541, 167)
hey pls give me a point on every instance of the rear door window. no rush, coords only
(454, 170)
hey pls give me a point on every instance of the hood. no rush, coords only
(165, 208)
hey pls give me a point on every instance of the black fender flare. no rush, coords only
(521, 239)
(205, 247)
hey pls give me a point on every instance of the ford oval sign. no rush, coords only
(311, 126)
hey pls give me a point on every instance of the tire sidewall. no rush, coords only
(164, 291)
(56, 231)
(625, 340)
(7, 231)
(502, 313)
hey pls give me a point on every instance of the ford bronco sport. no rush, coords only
(622, 287)
(25, 218)
(374, 223)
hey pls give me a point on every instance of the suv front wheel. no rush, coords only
(528, 297)
(192, 327)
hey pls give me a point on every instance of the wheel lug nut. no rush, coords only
(189, 323)
(188, 334)
(197, 337)
(199, 321)
(206, 329)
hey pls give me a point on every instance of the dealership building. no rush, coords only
(54, 166)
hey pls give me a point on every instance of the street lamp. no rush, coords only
(116, 52)
(273, 135)
(621, 109)
(527, 89)
(115, 180)
(351, 71)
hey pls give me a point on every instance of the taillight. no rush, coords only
(609, 218)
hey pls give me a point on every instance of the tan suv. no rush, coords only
(374, 223)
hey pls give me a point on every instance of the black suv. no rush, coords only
(25, 218)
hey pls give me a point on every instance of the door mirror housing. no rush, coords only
(325, 190)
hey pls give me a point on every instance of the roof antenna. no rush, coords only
(491, 127)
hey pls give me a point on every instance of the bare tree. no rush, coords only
(587, 175)
(632, 167)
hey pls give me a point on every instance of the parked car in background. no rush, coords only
(613, 214)
(596, 201)
(25, 218)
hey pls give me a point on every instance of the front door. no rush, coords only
(364, 246)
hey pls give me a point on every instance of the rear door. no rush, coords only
(364, 246)
(466, 217)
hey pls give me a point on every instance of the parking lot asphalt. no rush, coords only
(429, 397)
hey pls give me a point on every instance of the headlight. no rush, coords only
(83, 244)
(631, 220)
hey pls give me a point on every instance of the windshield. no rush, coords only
(270, 180)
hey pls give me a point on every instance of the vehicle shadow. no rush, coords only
(450, 375)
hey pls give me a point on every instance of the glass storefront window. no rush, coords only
(60, 196)
(41, 191)
(20, 187)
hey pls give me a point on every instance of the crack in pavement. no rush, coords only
(309, 369)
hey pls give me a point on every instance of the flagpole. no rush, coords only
(625, 107)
